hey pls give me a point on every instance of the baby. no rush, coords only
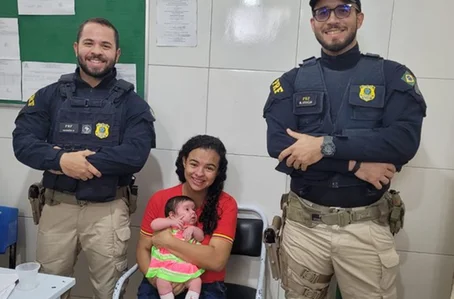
(166, 267)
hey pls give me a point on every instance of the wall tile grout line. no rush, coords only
(390, 29)
(267, 71)
(298, 32)
(219, 68)
(209, 68)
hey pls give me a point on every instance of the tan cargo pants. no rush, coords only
(100, 230)
(362, 255)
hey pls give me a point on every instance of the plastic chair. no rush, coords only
(8, 233)
(248, 242)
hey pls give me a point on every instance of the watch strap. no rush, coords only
(356, 167)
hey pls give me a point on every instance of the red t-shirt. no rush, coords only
(227, 211)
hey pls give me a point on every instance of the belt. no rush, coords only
(54, 197)
(303, 211)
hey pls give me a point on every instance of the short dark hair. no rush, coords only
(100, 21)
(172, 203)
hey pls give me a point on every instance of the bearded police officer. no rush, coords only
(341, 125)
(89, 133)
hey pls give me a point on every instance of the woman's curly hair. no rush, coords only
(209, 216)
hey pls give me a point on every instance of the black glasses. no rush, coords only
(341, 11)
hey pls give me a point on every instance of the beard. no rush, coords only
(336, 46)
(96, 73)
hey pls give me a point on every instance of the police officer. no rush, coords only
(89, 133)
(340, 126)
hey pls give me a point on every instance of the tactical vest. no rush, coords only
(362, 105)
(87, 123)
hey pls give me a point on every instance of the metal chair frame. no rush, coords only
(261, 280)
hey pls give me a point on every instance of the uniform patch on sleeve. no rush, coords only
(407, 83)
(410, 79)
(277, 86)
(280, 89)
(31, 101)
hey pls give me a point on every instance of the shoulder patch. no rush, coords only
(31, 101)
(281, 89)
(408, 78)
(276, 86)
(406, 81)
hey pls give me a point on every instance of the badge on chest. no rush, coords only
(102, 130)
(367, 92)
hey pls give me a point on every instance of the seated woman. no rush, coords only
(201, 169)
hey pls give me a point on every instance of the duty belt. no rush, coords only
(303, 211)
(54, 197)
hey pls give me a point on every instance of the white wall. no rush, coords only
(220, 88)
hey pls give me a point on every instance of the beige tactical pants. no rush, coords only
(362, 255)
(100, 230)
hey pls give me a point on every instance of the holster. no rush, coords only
(37, 200)
(133, 192)
(272, 240)
(396, 211)
(132, 198)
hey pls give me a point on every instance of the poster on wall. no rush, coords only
(9, 38)
(10, 80)
(127, 72)
(46, 7)
(36, 75)
(176, 23)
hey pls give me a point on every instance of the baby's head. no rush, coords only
(181, 206)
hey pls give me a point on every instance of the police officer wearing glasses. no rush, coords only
(341, 125)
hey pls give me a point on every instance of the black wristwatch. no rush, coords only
(356, 167)
(328, 148)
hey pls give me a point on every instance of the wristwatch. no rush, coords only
(328, 148)
(356, 167)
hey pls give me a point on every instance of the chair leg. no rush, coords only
(12, 256)
(338, 293)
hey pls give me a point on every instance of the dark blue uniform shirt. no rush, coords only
(36, 122)
(394, 139)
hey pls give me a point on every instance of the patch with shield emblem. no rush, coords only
(367, 92)
(102, 130)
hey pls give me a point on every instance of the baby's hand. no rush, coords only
(188, 232)
(178, 222)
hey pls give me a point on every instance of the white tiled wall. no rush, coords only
(413, 41)
(220, 87)
(242, 30)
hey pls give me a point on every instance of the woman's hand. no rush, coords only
(162, 238)
(177, 287)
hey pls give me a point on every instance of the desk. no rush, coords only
(50, 286)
